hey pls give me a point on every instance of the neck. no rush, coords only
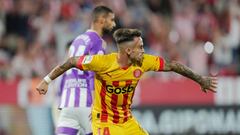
(97, 29)
(123, 60)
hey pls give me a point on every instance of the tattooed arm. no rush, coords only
(57, 71)
(206, 83)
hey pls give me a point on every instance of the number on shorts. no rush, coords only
(105, 131)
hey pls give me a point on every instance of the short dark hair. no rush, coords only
(125, 34)
(100, 10)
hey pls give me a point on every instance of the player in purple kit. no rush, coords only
(77, 86)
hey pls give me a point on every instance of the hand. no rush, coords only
(209, 84)
(42, 87)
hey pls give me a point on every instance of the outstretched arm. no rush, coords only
(206, 83)
(57, 71)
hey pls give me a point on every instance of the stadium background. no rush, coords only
(33, 34)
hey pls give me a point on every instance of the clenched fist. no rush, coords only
(42, 87)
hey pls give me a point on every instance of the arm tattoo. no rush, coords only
(60, 69)
(183, 70)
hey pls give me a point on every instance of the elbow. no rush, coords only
(71, 62)
(174, 65)
(68, 64)
(170, 66)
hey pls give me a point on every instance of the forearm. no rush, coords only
(42, 87)
(184, 70)
(60, 69)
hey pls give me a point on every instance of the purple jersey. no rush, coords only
(76, 85)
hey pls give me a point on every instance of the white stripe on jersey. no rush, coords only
(63, 98)
(71, 98)
(83, 97)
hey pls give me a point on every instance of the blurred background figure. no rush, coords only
(77, 86)
(33, 37)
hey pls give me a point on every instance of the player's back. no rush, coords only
(77, 85)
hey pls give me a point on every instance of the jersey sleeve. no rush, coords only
(91, 62)
(153, 63)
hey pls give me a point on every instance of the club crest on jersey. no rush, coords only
(87, 59)
(137, 73)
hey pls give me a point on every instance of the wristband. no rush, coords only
(47, 79)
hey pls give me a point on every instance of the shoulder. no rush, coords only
(149, 58)
(82, 39)
(149, 61)
(107, 57)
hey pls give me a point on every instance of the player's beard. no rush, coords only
(107, 31)
(136, 62)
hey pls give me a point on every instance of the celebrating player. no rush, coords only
(117, 75)
(77, 86)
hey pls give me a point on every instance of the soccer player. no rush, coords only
(77, 86)
(117, 75)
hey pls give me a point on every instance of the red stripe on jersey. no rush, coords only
(128, 82)
(114, 108)
(161, 64)
(104, 114)
(114, 100)
(125, 102)
(115, 83)
(79, 62)
(124, 107)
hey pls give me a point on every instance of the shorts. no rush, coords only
(71, 120)
(131, 127)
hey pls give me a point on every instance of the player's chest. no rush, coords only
(121, 74)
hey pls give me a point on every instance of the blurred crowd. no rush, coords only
(34, 33)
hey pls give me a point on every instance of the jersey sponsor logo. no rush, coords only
(119, 90)
(137, 73)
(73, 83)
(87, 59)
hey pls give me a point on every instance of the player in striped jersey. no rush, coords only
(117, 75)
(77, 86)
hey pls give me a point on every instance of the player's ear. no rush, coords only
(128, 50)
